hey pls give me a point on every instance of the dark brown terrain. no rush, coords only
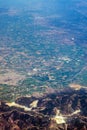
(65, 110)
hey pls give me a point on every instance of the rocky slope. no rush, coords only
(65, 110)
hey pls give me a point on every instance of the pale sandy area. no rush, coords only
(32, 105)
(11, 77)
(19, 106)
(76, 86)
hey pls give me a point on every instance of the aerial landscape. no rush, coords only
(43, 65)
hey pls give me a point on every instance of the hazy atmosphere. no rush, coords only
(43, 46)
(43, 64)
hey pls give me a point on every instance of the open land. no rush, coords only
(42, 50)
